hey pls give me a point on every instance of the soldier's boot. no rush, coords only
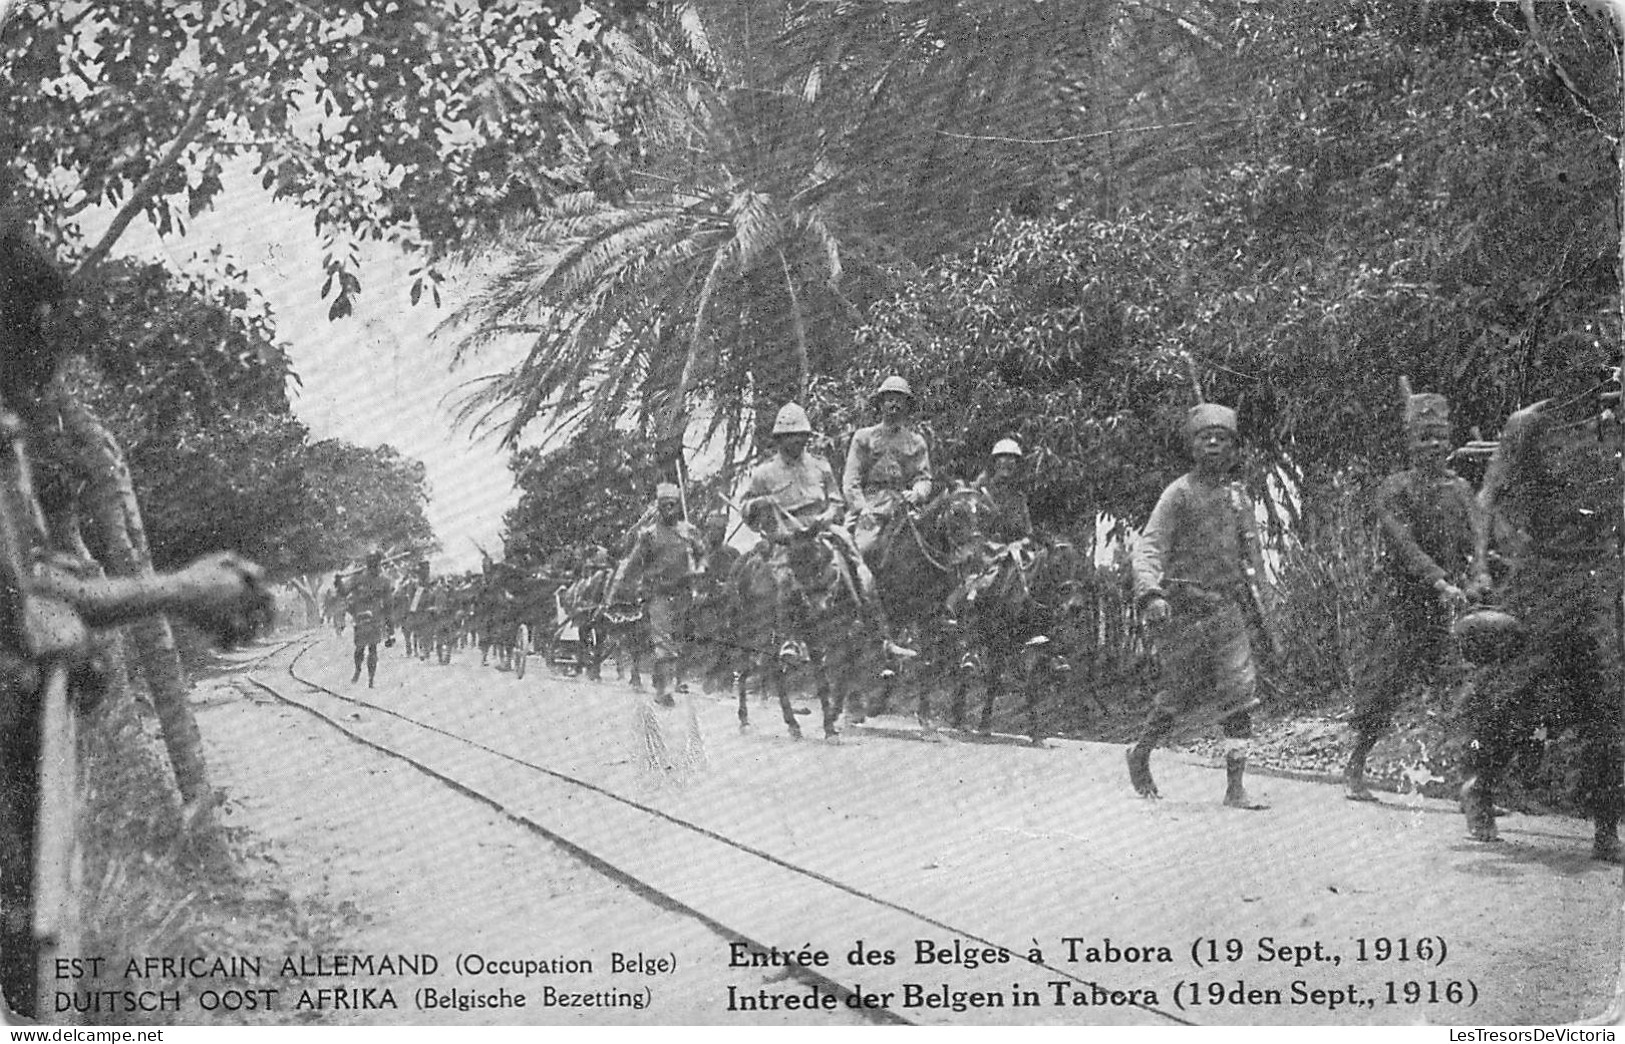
(1354, 771)
(1479, 807)
(658, 675)
(1235, 793)
(1605, 844)
(1139, 768)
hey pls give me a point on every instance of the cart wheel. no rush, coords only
(521, 650)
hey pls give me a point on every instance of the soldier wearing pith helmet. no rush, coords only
(795, 491)
(1193, 566)
(888, 466)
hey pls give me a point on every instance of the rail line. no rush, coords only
(700, 845)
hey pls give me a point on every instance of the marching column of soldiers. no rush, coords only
(1197, 566)
(1551, 497)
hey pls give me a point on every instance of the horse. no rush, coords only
(921, 559)
(1021, 619)
(778, 628)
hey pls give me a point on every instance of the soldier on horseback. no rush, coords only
(888, 467)
(667, 556)
(792, 494)
(1009, 529)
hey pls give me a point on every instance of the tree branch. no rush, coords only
(143, 192)
(145, 189)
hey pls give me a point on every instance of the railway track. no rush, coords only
(671, 860)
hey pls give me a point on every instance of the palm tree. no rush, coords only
(794, 159)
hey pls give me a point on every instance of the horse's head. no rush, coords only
(959, 520)
(811, 561)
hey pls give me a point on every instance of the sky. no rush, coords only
(370, 378)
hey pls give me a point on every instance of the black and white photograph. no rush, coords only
(811, 513)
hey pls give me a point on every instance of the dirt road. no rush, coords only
(1034, 870)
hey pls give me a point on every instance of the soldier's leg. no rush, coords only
(662, 613)
(372, 663)
(1158, 724)
(1235, 680)
(360, 653)
(1494, 719)
(1181, 679)
(785, 604)
(1396, 648)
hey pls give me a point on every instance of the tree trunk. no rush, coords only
(111, 498)
(309, 589)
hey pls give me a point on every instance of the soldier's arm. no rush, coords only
(1150, 552)
(852, 475)
(221, 593)
(834, 501)
(631, 569)
(922, 475)
(1502, 491)
(1397, 532)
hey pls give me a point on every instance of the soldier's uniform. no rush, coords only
(370, 598)
(803, 489)
(1559, 483)
(1428, 520)
(1008, 526)
(665, 558)
(1192, 554)
(887, 465)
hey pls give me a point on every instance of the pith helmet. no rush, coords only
(1209, 415)
(1006, 448)
(792, 420)
(668, 491)
(894, 385)
(375, 557)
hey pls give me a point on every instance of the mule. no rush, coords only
(1019, 623)
(812, 622)
(921, 559)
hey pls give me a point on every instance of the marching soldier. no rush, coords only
(371, 601)
(1556, 478)
(888, 466)
(1193, 569)
(667, 555)
(1429, 522)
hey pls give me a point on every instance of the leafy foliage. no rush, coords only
(187, 371)
(796, 160)
(587, 491)
(415, 121)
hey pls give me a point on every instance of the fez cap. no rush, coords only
(1426, 408)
